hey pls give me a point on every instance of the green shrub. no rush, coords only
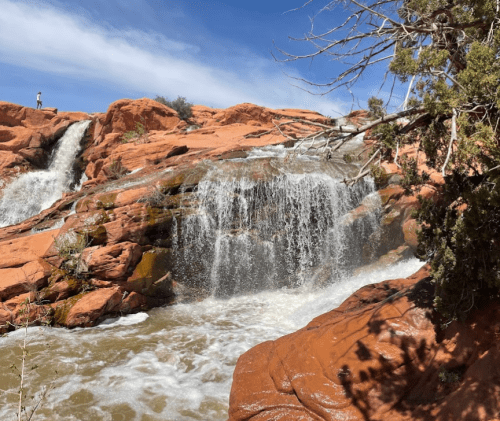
(411, 176)
(379, 175)
(180, 105)
(139, 135)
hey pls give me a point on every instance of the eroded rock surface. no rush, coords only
(381, 355)
(27, 136)
(113, 250)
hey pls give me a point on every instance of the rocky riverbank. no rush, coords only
(106, 249)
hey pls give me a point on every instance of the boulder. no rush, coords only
(30, 277)
(88, 308)
(151, 277)
(114, 261)
(381, 355)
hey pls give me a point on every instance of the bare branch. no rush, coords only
(453, 138)
(363, 172)
(298, 8)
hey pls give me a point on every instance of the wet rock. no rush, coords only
(397, 255)
(151, 277)
(87, 309)
(133, 302)
(381, 355)
(137, 212)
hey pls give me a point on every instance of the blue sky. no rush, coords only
(85, 54)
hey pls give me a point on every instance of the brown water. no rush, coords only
(173, 363)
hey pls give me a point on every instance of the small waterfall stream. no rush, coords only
(32, 192)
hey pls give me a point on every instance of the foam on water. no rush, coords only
(248, 236)
(176, 364)
(32, 192)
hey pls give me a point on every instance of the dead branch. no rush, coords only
(453, 138)
(363, 172)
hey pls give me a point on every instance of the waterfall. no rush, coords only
(32, 192)
(249, 235)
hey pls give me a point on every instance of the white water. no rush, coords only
(245, 240)
(176, 364)
(249, 236)
(32, 192)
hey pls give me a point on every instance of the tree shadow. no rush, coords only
(427, 380)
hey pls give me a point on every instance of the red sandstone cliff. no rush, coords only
(122, 266)
(382, 354)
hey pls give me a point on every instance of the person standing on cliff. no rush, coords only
(38, 101)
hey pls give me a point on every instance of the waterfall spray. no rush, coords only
(32, 192)
(248, 235)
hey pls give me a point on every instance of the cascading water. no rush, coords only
(32, 192)
(249, 235)
(242, 238)
(177, 364)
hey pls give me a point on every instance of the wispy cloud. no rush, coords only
(52, 40)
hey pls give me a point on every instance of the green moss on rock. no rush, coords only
(106, 201)
(62, 310)
(154, 265)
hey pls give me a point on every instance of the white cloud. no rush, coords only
(51, 40)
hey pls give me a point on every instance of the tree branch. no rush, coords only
(453, 138)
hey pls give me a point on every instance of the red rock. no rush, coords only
(376, 357)
(410, 228)
(92, 306)
(10, 159)
(126, 218)
(32, 314)
(98, 283)
(58, 292)
(220, 131)
(112, 262)
(5, 320)
(25, 131)
(31, 276)
(123, 116)
(133, 301)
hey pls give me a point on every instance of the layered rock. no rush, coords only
(381, 355)
(116, 236)
(113, 253)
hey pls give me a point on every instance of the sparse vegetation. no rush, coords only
(116, 169)
(376, 107)
(70, 247)
(24, 412)
(139, 135)
(449, 376)
(180, 105)
(155, 197)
